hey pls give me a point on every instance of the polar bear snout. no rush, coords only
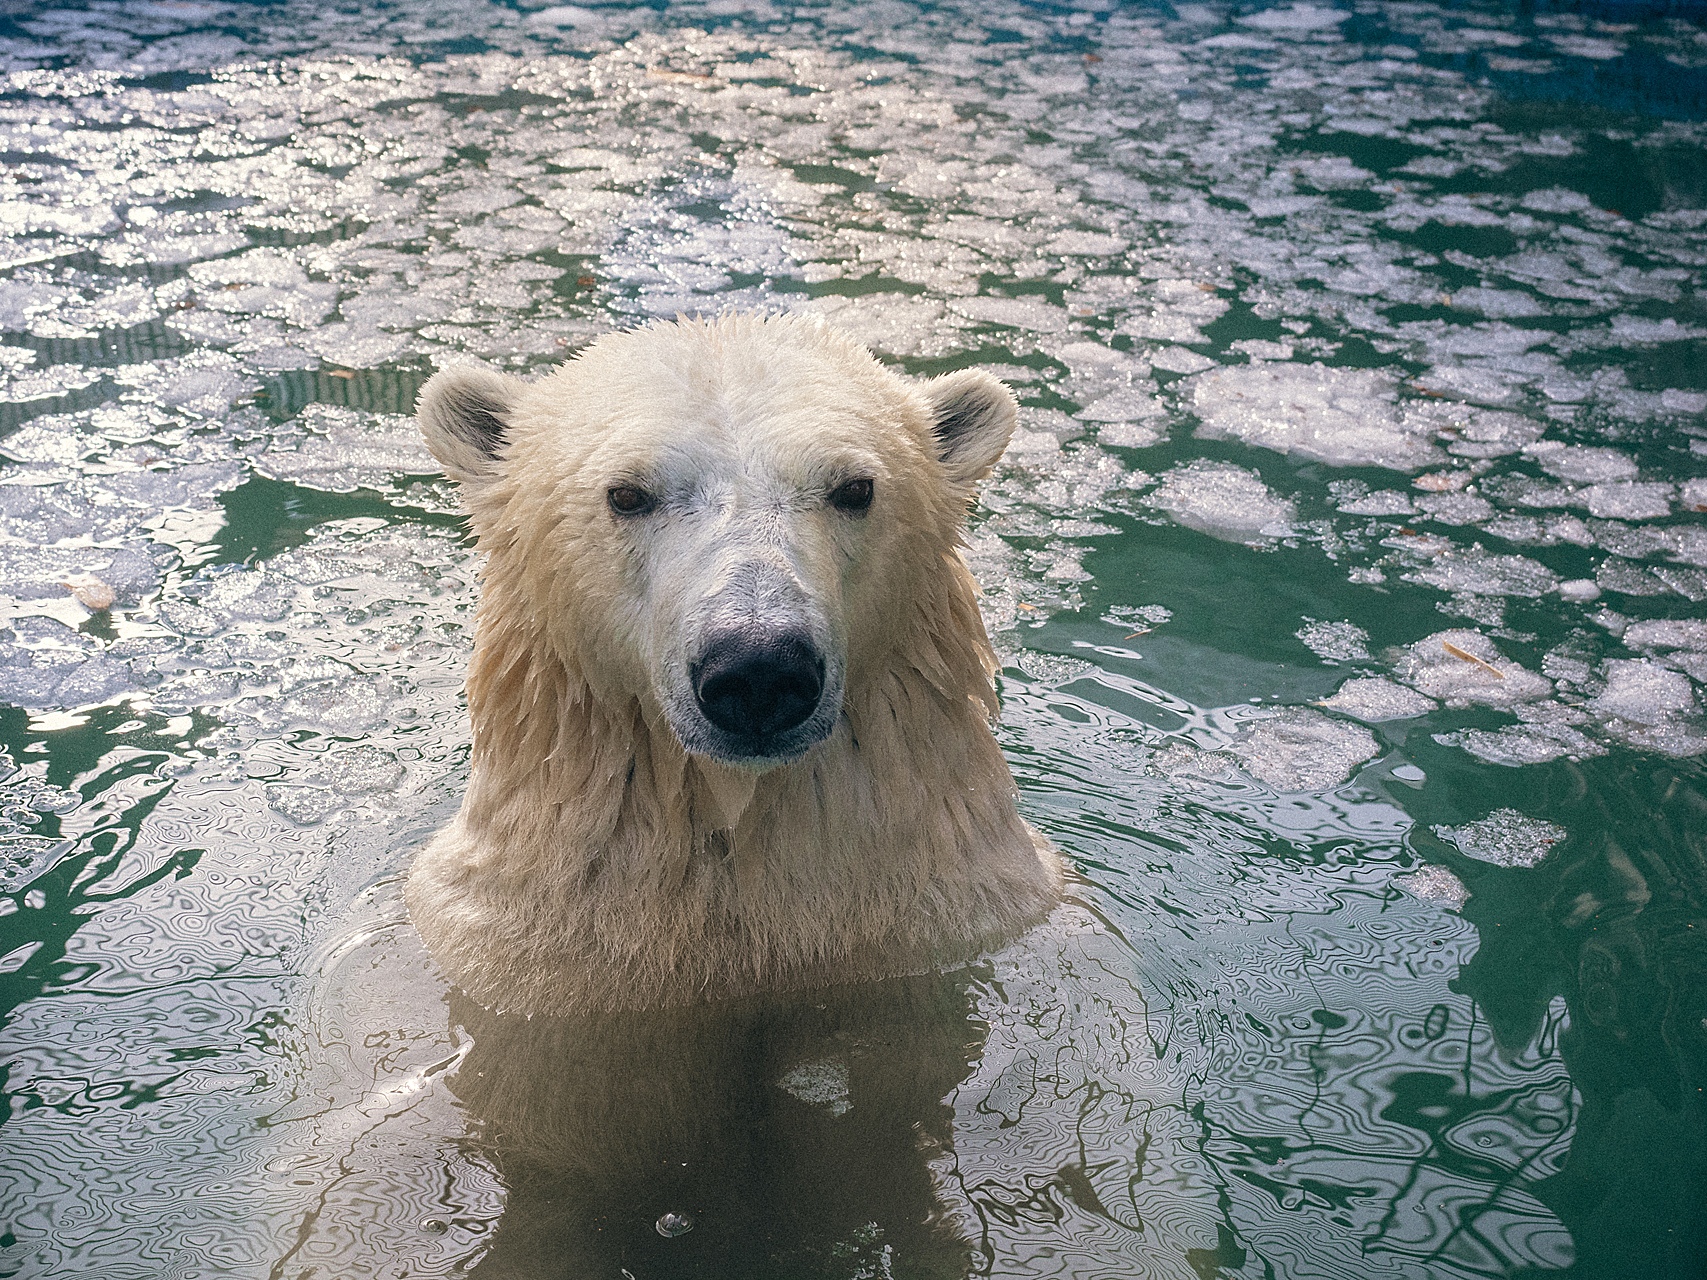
(755, 684)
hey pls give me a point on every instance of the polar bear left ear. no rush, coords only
(464, 414)
(973, 417)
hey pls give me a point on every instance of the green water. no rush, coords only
(1348, 573)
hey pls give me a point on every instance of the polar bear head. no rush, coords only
(731, 523)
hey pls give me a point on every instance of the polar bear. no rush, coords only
(731, 693)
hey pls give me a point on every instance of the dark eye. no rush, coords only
(626, 500)
(852, 496)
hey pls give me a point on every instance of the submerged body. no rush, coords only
(731, 690)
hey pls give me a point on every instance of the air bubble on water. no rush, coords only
(671, 1225)
(1506, 838)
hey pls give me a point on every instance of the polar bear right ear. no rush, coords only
(464, 414)
(973, 417)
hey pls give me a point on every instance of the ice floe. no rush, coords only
(1374, 699)
(1463, 668)
(1298, 749)
(1506, 838)
(1343, 417)
(1223, 501)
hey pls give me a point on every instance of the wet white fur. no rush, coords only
(597, 863)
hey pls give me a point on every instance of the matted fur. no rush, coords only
(596, 864)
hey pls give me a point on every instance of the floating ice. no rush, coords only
(1475, 571)
(1630, 501)
(1343, 417)
(1382, 502)
(1650, 706)
(1296, 18)
(1455, 508)
(1462, 668)
(1223, 501)
(1298, 749)
(1687, 633)
(1434, 884)
(1480, 433)
(1374, 699)
(1128, 404)
(346, 450)
(820, 1084)
(1506, 838)
(1180, 360)
(1551, 736)
(1582, 463)
(1335, 642)
(46, 665)
(1015, 313)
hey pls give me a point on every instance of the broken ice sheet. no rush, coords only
(1335, 642)
(346, 449)
(1224, 501)
(1462, 667)
(1505, 838)
(1343, 417)
(1434, 884)
(1475, 571)
(1650, 706)
(1374, 699)
(1298, 749)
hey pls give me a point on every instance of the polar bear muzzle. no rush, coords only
(759, 684)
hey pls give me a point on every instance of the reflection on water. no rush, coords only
(791, 1141)
(1357, 507)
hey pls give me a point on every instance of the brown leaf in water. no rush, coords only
(1467, 656)
(90, 592)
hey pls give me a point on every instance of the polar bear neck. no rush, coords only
(596, 864)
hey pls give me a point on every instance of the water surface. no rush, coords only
(1348, 573)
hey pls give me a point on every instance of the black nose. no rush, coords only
(757, 683)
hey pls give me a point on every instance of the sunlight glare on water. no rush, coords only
(1348, 573)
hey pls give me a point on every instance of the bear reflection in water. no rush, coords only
(794, 1134)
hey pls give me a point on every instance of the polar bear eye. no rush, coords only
(852, 496)
(626, 500)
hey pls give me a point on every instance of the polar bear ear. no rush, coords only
(973, 416)
(464, 414)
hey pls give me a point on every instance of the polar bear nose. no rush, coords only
(753, 684)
